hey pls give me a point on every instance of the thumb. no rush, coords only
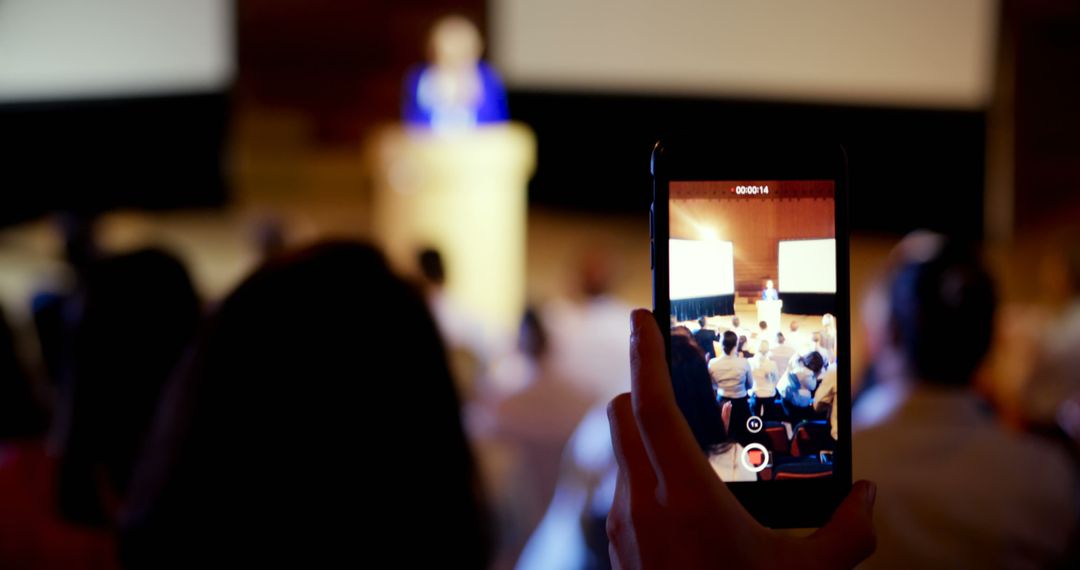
(849, 537)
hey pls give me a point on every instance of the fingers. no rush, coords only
(630, 451)
(623, 548)
(676, 458)
(848, 538)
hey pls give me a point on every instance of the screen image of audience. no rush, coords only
(724, 378)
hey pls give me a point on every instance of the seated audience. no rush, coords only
(303, 433)
(33, 535)
(798, 385)
(957, 488)
(693, 394)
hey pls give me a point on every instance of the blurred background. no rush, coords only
(226, 131)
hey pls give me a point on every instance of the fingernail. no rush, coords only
(635, 320)
(871, 495)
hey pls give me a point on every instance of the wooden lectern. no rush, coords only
(769, 311)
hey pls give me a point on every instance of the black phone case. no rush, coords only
(777, 504)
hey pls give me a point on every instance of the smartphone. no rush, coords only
(750, 286)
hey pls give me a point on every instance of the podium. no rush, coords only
(769, 311)
(464, 194)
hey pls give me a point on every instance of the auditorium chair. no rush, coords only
(777, 438)
(810, 437)
(801, 470)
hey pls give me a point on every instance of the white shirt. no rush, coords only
(728, 465)
(799, 341)
(588, 345)
(958, 490)
(765, 375)
(731, 375)
(781, 354)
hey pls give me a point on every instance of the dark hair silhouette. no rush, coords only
(928, 297)
(694, 394)
(431, 266)
(136, 315)
(729, 342)
(814, 361)
(303, 434)
(742, 343)
(21, 414)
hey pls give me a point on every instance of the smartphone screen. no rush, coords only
(752, 267)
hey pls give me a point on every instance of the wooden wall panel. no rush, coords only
(755, 226)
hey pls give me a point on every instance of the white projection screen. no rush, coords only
(75, 49)
(911, 52)
(807, 266)
(701, 268)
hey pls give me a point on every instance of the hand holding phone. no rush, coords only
(670, 508)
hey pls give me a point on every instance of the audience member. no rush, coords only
(534, 424)
(464, 337)
(588, 330)
(302, 434)
(781, 354)
(796, 339)
(51, 306)
(737, 328)
(137, 313)
(742, 346)
(705, 338)
(828, 333)
(763, 331)
(766, 376)
(731, 377)
(818, 340)
(958, 489)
